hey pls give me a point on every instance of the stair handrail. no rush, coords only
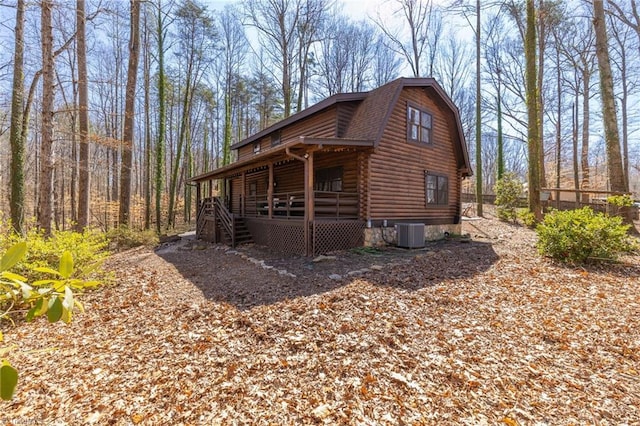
(226, 219)
(205, 207)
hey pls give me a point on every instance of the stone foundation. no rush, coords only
(379, 237)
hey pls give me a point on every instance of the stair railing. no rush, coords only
(227, 220)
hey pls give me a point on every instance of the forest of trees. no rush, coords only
(107, 107)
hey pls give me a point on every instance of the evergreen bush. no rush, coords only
(508, 190)
(579, 236)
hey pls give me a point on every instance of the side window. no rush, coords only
(276, 138)
(329, 179)
(419, 125)
(436, 189)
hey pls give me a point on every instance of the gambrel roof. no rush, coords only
(365, 128)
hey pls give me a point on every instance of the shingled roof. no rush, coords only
(373, 113)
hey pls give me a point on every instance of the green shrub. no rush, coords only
(123, 238)
(527, 217)
(87, 248)
(578, 236)
(508, 190)
(620, 200)
(53, 297)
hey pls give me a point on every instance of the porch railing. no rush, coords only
(343, 205)
(226, 219)
(291, 205)
(205, 211)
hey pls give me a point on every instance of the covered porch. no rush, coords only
(304, 197)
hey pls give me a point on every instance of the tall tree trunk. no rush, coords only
(532, 112)
(129, 109)
(147, 129)
(479, 192)
(84, 183)
(576, 177)
(500, 141)
(46, 158)
(161, 121)
(558, 122)
(226, 147)
(184, 126)
(612, 139)
(73, 117)
(584, 155)
(540, 102)
(15, 133)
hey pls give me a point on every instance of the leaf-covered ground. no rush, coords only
(480, 332)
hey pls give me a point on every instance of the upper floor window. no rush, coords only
(436, 189)
(419, 124)
(329, 179)
(276, 138)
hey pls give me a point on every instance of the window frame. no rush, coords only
(333, 176)
(420, 126)
(440, 195)
(276, 138)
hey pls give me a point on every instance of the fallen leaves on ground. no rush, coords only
(484, 332)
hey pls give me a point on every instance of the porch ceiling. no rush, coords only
(278, 153)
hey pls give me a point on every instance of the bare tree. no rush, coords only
(532, 109)
(129, 110)
(84, 184)
(234, 52)
(424, 24)
(612, 138)
(46, 155)
(346, 55)
(15, 136)
(277, 22)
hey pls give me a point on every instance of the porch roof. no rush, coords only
(277, 153)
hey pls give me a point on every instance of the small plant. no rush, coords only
(52, 297)
(87, 248)
(365, 250)
(123, 238)
(508, 190)
(619, 204)
(527, 217)
(578, 236)
(620, 200)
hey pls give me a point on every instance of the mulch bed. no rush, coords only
(481, 332)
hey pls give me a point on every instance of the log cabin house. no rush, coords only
(342, 173)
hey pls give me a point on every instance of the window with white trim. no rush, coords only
(436, 189)
(419, 125)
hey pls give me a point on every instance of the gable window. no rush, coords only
(436, 189)
(256, 148)
(419, 124)
(276, 138)
(329, 179)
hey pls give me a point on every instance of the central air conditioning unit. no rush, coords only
(410, 235)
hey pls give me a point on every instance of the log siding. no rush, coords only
(398, 166)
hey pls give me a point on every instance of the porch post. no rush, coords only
(198, 196)
(243, 193)
(310, 184)
(309, 208)
(270, 191)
